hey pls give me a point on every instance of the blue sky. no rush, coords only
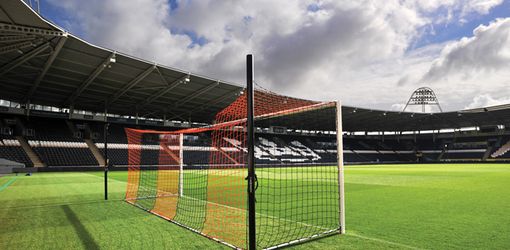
(62, 18)
(455, 30)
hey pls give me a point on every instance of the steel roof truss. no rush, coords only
(197, 93)
(14, 47)
(46, 67)
(14, 39)
(23, 58)
(215, 101)
(72, 98)
(158, 94)
(13, 28)
(131, 84)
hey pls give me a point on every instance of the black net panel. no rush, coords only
(298, 179)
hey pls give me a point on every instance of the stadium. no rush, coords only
(103, 150)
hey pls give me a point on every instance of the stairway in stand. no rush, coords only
(96, 152)
(502, 150)
(30, 152)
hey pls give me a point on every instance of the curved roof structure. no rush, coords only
(41, 63)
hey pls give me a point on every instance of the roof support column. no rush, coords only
(27, 108)
(71, 111)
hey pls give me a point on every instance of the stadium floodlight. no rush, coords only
(238, 192)
(423, 97)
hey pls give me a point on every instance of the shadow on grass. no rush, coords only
(57, 204)
(85, 237)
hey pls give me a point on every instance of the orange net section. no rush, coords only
(168, 176)
(134, 150)
(196, 177)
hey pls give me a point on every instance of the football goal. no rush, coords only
(257, 182)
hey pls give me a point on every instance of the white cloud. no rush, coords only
(480, 6)
(488, 51)
(486, 100)
(454, 8)
(356, 51)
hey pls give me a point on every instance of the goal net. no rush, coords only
(196, 177)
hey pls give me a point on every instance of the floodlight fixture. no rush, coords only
(423, 96)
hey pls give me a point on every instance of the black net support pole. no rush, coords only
(106, 161)
(251, 156)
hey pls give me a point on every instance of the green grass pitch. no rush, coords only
(441, 206)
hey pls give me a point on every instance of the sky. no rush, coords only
(366, 53)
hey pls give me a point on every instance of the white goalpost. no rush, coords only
(340, 156)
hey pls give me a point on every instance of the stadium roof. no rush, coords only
(42, 64)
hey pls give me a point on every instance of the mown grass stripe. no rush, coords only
(7, 184)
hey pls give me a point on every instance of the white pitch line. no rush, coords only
(382, 241)
(109, 179)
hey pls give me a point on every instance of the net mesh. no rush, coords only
(196, 177)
